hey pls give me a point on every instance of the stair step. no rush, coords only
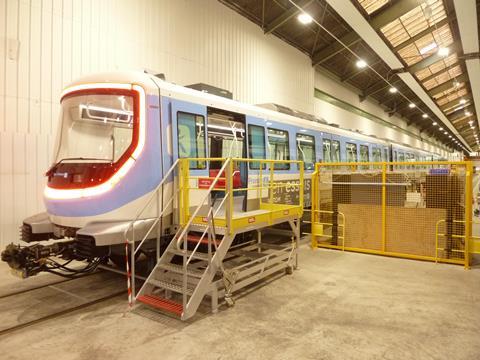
(196, 238)
(196, 255)
(162, 304)
(171, 286)
(178, 269)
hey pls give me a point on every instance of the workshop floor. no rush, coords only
(336, 306)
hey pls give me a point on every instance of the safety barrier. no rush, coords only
(259, 194)
(416, 210)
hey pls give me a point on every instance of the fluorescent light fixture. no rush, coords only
(393, 90)
(443, 51)
(361, 64)
(304, 18)
(424, 116)
(427, 48)
(411, 105)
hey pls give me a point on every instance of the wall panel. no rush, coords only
(59, 40)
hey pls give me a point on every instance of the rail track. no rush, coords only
(32, 306)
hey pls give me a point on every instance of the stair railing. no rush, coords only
(183, 232)
(134, 249)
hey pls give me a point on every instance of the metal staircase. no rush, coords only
(200, 260)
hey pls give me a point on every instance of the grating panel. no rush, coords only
(405, 209)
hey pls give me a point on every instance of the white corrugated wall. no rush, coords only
(44, 44)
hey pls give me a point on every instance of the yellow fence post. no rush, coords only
(468, 211)
(384, 206)
(229, 190)
(313, 200)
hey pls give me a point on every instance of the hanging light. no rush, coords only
(411, 105)
(393, 90)
(304, 18)
(361, 64)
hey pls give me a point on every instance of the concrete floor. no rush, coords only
(336, 306)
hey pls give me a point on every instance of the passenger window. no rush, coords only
(256, 145)
(191, 138)
(335, 151)
(279, 148)
(385, 154)
(376, 154)
(351, 152)
(326, 150)
(364, 156)
(306, 150)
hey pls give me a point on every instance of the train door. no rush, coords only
(226, 139)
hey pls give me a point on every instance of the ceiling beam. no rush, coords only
(453, 103)
(424, 80)
(284, 17)
(425, 32)
(378, 21)
(447, 85)
(432, 59)
(377, 87)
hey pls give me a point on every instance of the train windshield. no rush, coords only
(95, 128)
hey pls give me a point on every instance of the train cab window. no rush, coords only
(376, 155)
(191, 138)
(351, 152)
(306, 150)
(279, 148)
(327, 150)
(256, 145)
(335, 151)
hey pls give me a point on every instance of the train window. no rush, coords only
(279, 148)
(351, 152)
(335, 151)
(395, 157)
(376, 154)
(385, 154)
(256, 145)
(191, 138)
(327, 147)
(364, 156)
(306, 150)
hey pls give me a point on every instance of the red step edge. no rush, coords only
(162, 304)
(195, 239)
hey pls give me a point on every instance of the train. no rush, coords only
(118, 135)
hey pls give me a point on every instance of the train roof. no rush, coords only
(150, 82)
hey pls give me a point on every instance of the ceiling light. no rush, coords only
(463, 101)
(304, 18)
(393, 90)
(434, 123)
(427, 48)
(443, 51)
(468, 113)
(411, 105)
(450, 136)
(445, 133)
(456, 83)
(361, 64)
(441, 129)
(470, 122)
(424, 116)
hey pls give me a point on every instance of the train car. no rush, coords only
(120, 133)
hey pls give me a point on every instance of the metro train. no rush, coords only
(119, 133)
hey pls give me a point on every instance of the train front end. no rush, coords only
(105, 164)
